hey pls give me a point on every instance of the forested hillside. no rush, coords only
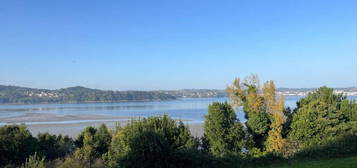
(14, 94)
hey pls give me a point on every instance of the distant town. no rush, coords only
(350, 91)
(202, 93)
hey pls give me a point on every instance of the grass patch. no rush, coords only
(349, 162)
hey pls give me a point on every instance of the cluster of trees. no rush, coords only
(17, 144)
(13, 94)
(152, 142)
(323, 124)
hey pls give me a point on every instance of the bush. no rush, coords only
(345, 145)
(150, 141)
(34, 162)
(16, 144)
(318, 118)
(53, 146)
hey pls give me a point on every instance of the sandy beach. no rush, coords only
(72, 125)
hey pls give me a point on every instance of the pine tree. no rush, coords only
(223, 131)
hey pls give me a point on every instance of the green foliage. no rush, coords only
(102, 139)
(69, 162)
(263, 110)
(89, 131)
(319, 118)
(349, 109)
(53, 146)
(34, 162)
(223, 132)
(87, 152)
(347, 162)
(16, 144)
(162, 133)
(340, 146)
(92, 143)
(258, 125)
(147, 149)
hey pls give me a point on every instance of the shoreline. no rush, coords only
(72, 125)
(92, 102)
(73, 130)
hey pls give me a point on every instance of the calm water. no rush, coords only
(192, 109)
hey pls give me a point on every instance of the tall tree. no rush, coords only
(249, 95)
(276, 142)
(223, 131)
(263, 110)
(87, 152)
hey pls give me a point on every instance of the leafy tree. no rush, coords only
(265, 113)
(320, 117)
(102, 139)
(247, 94)
(93, 143)
(147, 149)
(87, 152)
(89, 131)
(223, 131)
(276, 143)
(53, 146)
(16, 144)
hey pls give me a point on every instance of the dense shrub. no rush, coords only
(72, 162)
(344, 145)
(34, 161)
(16, 144)
(154, 139)
(53, 146)
(318, 118)
(92, 143)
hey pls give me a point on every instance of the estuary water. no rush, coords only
(190, 110)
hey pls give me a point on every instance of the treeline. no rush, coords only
(323, 125)
(21, 95)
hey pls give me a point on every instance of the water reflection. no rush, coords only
(186, 109)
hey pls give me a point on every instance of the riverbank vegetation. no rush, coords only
(323, 126)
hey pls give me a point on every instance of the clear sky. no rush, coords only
(149, 45)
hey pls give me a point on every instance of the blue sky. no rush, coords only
(149, 45)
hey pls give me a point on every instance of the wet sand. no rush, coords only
(72, 125)
(46, 117)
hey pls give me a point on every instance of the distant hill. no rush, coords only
(78, 94)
